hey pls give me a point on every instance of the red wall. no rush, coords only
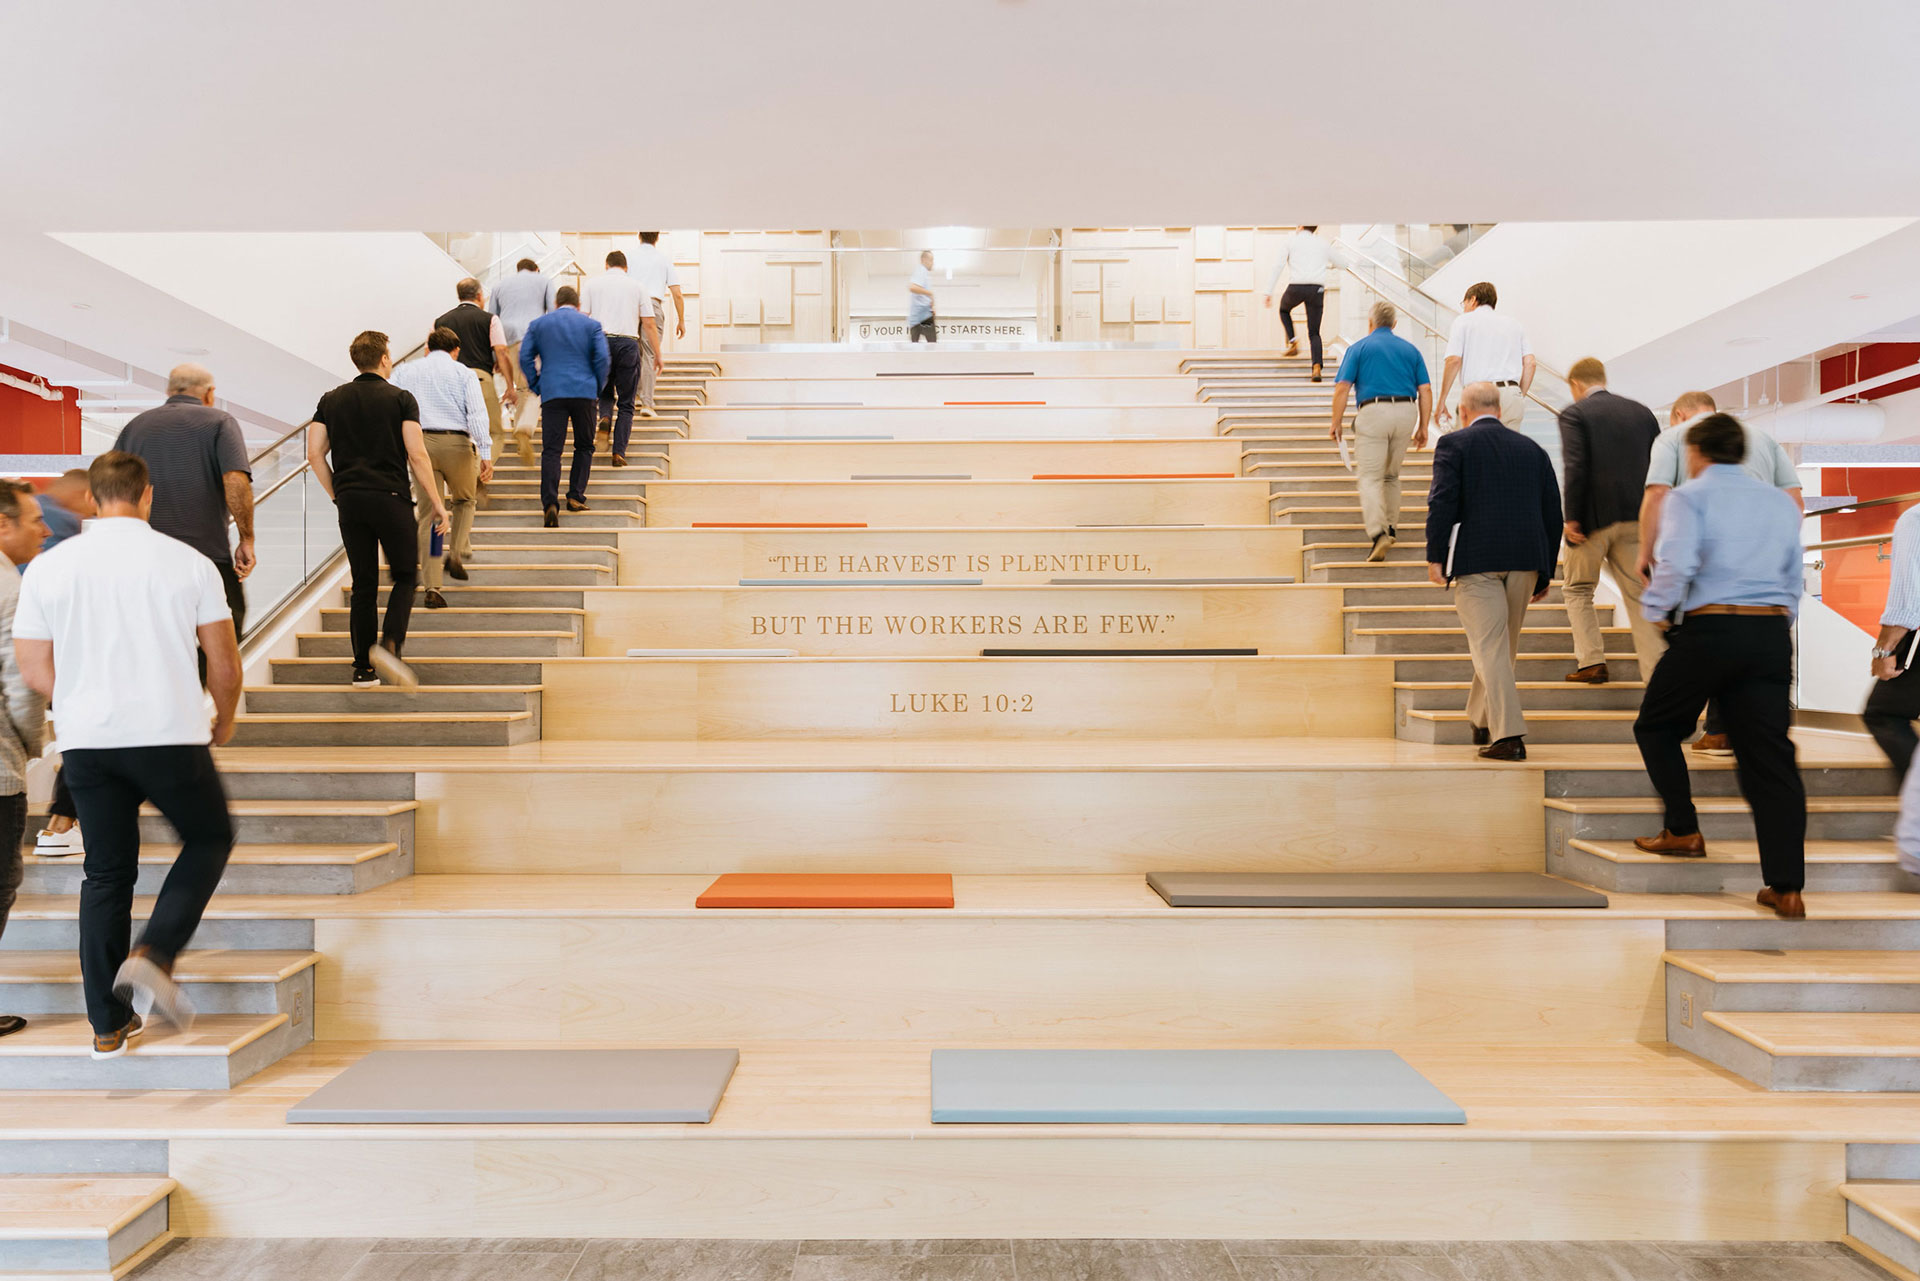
(30, 425)
(1854, 581)
(1870, 362)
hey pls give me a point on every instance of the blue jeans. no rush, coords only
(623, 383)
(554, 417)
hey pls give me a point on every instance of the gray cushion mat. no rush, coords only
(1215, 1087)
(1370, 889)
(408, 1087)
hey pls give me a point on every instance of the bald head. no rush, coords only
(191, 380)
(1478, 399)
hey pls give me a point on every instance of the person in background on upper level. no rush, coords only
(23, 725)
(519, 300)
(362, 444)
(453, 426)
(566, 363)
(1894, 703)
(1493, 531)
(921, 326)
(619, 301)
(197, 459)
(483, 349)
(661, 278)
(69, 502)
(1485, 346)
(1726, 583)
(1305, 258)
(1605, 441)
(1764, 460)
(1389, 376)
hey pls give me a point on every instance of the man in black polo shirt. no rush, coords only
(483, 349)
(372, 430)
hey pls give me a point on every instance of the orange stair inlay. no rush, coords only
(829, 889)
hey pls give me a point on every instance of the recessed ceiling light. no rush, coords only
(191, 351)
(1748, 341)
(83, 306)
(1858, 297)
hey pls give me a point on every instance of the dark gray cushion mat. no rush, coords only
(1370, 889)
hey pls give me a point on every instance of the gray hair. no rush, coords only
(1479, 396)
(1383, 315)
(189, 380)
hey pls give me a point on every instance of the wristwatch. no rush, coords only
(1883, 653)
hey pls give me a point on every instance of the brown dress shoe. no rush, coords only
(1713, 745)
(1507, 749)
(1293, 349)
(1594, 675)
(1694, 846)
(619, 460)
(575, 505)
(1480, 736)
(1316, 373)
(1786, 904)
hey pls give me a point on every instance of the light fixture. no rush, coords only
(83, 306)
(191, 351)
(1858, 297)
(1749, 341)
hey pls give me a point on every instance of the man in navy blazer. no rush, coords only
(563, 356)
(1493, 530)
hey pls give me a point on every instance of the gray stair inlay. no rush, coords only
(1374, 889)
(533, 1087)
(1218, 1087)
(1166, 582)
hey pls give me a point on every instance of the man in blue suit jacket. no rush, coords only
(563, 356)
(1493, 528)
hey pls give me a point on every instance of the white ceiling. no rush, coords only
(357, 114)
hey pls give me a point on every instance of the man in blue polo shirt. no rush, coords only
(1388, 376)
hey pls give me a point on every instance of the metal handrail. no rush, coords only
(1865, 540)
(1871, 502)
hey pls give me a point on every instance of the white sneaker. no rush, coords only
(59, 844)
(141, 983)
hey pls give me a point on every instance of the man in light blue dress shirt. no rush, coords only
(519, 300)
(1726, 585)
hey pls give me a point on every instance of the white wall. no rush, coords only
(1674, 305)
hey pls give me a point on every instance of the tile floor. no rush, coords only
(211, 1259)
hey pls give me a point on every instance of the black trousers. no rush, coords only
(109, 786)
(1746, 663)
(1891, 709)
(623, 385)
(372, 522)
(1315, 298)
(555, 415)
(13, 830)
(925, 331)
(236, 602)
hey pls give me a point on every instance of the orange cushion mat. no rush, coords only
(827, 889)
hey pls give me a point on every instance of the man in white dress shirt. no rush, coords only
(453, 425)
(620, 302)
(1486, 347)
(1305, 259)
(656, 272)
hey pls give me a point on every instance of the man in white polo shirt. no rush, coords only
(110, 626)
(1485, 347)
(661, 279)
(623, 307)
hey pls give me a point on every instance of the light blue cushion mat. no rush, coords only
(1215, 1087)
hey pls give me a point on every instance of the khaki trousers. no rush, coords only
(647, 349)
(1617, 546)
(492, 393)
(456, 469)
(528, 411)
(1513, 406)
(1493, 608)
(1381, 434)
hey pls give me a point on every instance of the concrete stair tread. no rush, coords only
(1741, 852)
(300, 809)
(454, 611)
(1598, 714)
(212, 1036)
(288, 855)
(543, 635)
(432, 718)
(1415, 608)
(219, 966)
(1570, 685)
(76, 1207)
(434, 689)
(1456, 631)
(1812, 966)
(1794, 1034)
(1541, 657)
(521, 568)
(1717, 804)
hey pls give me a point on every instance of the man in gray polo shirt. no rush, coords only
(519, 300)
(197, 459)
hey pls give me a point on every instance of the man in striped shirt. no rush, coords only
(453, 423)
(1895, 701)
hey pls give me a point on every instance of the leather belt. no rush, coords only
(1386, 400)
(1742, 611)
(1506, 382)
(444, 431)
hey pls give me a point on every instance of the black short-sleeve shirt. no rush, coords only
(363, 419)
